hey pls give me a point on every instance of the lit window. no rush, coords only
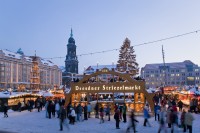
(152, 75)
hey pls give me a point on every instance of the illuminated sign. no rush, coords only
(104, 87)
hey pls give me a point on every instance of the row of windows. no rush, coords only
(171, 75)
(170, 83)
(172, 71)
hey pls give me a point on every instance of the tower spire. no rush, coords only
(35, 53)
(165, 74)
(71, 35)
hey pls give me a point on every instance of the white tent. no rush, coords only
(194, 91)
(47, 94)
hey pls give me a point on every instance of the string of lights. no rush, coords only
(141, 44)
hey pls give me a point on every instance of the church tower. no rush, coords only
(71, 61)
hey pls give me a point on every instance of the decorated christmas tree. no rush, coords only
(127, 59)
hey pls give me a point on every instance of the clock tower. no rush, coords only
(71, 61)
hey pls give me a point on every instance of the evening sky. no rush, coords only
(99, 25)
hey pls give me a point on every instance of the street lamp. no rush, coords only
(112, 65)
(84, 70)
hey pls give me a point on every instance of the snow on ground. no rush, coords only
(35, 122)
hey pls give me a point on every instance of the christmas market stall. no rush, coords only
(13, 98)
(125, 91)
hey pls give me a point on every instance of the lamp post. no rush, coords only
(113, 65)
(84, 70)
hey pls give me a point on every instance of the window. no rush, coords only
(152, 75)
(182, 70)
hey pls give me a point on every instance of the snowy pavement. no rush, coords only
(35, 122)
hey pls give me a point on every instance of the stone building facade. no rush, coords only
(16, 68)
(172, 74)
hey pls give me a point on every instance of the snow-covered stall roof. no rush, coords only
(194, 91)
(151, 90)
(46, 94)
(15, 94)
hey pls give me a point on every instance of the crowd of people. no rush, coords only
(168, 111)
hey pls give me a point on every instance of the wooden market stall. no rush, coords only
(13, 98)
(105, 92)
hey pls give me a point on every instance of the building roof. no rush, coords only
(19, 56)
(47, 62)
(11, 54)
(170, 65)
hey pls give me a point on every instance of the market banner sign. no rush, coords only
(116, 87)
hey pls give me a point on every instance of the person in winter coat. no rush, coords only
(73, 115)
(62, 117)
(53, 109)
(89, 109)
(46, 106)
(5, 110)
(173, 119)
(57, 108)
(108, 112)
(183, 120)
(79, 112)
(124, 109)
(96, 110)
(189, 120)
(38, 105)
(157, 111)
(180, 105)
(162, 121)
(85, 112)
(168, 120)
(101, 112)
(117, 118)
(132, 122)
(146, 116)
(19, 105)
(49, 109)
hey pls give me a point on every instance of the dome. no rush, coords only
(71, 40)
(19, 51)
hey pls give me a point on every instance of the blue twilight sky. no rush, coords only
(98, 25)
